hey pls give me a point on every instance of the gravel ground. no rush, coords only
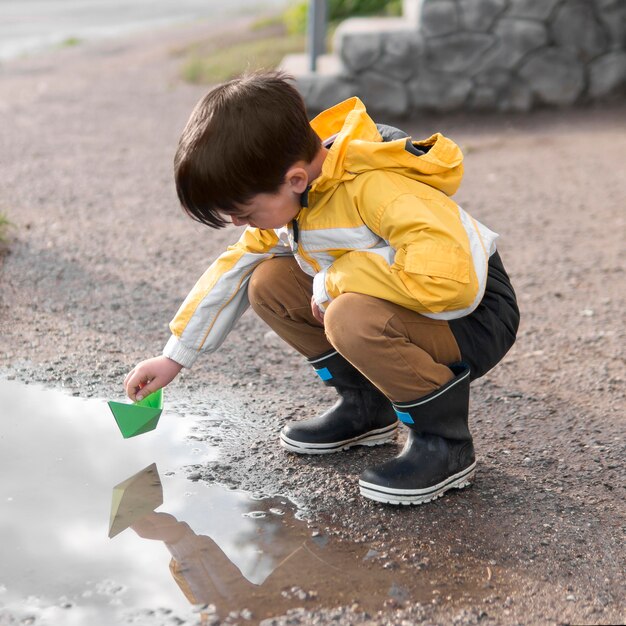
(102, 257)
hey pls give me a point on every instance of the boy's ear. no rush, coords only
(297, 178)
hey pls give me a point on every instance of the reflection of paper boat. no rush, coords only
(134, 498)
(140, 417)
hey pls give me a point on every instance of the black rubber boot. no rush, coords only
(362, 416)
(438, 454)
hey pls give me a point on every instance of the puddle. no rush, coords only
(180, 552)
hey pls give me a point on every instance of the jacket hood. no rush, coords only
(358, 147)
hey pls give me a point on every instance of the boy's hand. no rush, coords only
(318, 314)
(149, 376)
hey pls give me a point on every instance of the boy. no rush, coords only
(357, 257)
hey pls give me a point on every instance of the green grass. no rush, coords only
(272, 21)
(71, 41)
(5, 227)
(263, 47)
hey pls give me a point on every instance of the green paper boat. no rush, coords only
(140, 417)
(134, 498)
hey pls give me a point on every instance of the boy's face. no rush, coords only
(269, 210)
(275, 210)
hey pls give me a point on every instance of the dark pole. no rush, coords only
(316, 28)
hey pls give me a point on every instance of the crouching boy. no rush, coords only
(356, 255)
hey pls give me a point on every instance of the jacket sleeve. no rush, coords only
(427, 266)
(220, 297)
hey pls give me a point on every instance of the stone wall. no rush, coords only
(506, 55)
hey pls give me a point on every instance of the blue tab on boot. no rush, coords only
(324, 373)
(404, 417)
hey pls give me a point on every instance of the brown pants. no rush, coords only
(402, 352)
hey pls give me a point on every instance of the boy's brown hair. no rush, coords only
(240, 140)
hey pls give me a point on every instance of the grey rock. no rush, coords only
(613, 18)
(554, 75)
(380, 93)
(531, 9)
(401, 55)
(498, 89)
(325, 91)
(516, 97)
(440, 92)
(360, 51)
(480, 15)
(506, 55)
(482, 98)
(439, 17)
(457, 53)
(575, 27)
(515, 40)
(607, 75)
(496, 78)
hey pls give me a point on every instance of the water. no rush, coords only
(28, 26)
(180, 551)
(61, 458)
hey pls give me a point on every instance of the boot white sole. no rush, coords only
(389, 495)
(371, 438)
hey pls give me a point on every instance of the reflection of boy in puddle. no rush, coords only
(207, 576)
(285, 558)
(200, 568)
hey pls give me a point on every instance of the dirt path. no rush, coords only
(103, 257)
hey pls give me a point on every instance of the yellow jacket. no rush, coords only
(379, 220)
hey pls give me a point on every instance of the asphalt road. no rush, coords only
(102, 257)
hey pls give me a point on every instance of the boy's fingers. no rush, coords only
(128, 377)
(135, 379)
(318, 314)
(146, 388)
(135, 383)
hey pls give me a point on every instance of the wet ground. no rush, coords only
(100, 260)
(90, 538)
